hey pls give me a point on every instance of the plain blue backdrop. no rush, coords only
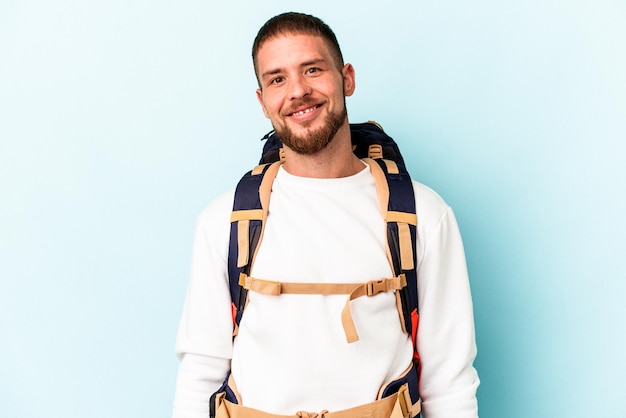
(121, 120)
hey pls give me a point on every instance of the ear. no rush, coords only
(259, 97)
(349, 81)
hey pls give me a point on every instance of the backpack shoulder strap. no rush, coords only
(397, 204)
(250, 208)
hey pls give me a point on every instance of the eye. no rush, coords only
(313, 70)
(276, 80)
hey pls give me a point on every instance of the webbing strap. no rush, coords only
(354, 290)
(273, 288)
(243, 240)
(402, 219)
(394, 406)
(407, 218)
(258, 169)
(392, 167)
(266, 187)
(381, 186)
(248, 215)
(370, 288)
(243, 217)
(406, 247)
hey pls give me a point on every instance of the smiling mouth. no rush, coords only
(304, 111)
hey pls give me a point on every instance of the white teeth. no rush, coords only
(302, 112)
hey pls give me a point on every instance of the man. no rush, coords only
(324, 225)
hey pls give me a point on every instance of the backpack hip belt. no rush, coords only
(394, 401)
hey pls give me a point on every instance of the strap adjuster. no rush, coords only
(404, 399)
(373, 287)
(375, 151)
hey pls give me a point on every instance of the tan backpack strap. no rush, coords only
(243, 217)
(393, 406)
(381, 186)
(354, 290)
(272, 288)
(266, 187)
(402, 219)
(392, 167)
(258, 169)
(370, 288)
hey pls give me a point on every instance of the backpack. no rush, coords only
(395, 190)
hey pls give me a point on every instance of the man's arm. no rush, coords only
(199, 376)
(445, 340)
(204, 341)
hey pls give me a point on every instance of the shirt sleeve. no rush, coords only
(199, 377)
(204, 340)
(445, 338)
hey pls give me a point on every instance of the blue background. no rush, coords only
(121, 120)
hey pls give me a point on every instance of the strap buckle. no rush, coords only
(374, 287)
(375, 151)
(404, 399)
(304, 414)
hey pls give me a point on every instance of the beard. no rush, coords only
(313, 141)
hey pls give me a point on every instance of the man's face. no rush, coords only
(303, 90)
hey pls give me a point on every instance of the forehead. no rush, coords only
(292, 49)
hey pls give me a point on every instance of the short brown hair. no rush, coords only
(296, 23)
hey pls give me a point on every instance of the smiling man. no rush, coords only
(302, 91)
(323, 231)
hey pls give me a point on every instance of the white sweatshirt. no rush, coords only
(291, 352)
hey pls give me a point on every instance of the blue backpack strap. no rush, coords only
(370, 141)
(250, 207)
(248, 218)
(397, 200)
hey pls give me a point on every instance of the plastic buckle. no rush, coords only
(374, 287)
(404, 399)
(304, 414)
(375, 151)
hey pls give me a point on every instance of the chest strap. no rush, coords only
(354, 290)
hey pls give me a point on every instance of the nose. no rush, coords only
(298, 87)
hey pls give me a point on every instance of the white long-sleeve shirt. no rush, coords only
(291, 352)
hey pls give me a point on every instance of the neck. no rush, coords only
(335, 161)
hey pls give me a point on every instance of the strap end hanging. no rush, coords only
(406, 246)
(348, 323)
(243, 233)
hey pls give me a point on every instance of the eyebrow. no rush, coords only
(304, 64)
